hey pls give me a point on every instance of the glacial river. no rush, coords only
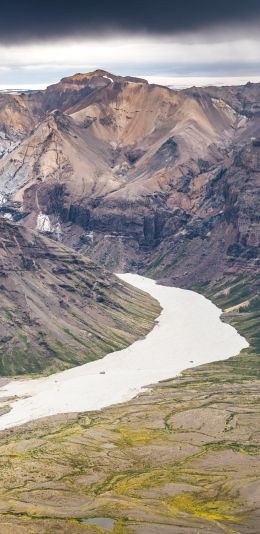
(188, 333)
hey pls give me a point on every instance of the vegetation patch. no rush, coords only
(211, 510)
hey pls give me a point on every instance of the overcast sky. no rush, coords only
(42, 41)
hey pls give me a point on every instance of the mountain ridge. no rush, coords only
(134, 173)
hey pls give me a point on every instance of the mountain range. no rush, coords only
(137, 176)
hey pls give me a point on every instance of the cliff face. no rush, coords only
(59, 309)
(139, 176)
(221, 234)
(16, 121)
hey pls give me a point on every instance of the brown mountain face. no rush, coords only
(139, 176)
(221, 236)
(19, 114)
(59, 309)
(16, 121)
(75, 91)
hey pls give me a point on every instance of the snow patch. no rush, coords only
(90, 236)
(3, 199)
(107, 78)
(8, 216)
(219, 104)
(43, 223)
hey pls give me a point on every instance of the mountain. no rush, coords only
(19, 114)
(74, 91)
(141, 177)
(59, 309)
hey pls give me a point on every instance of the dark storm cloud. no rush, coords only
(32, 19)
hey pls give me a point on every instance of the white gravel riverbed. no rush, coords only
(188, 333)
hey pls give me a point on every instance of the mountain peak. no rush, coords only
(84, 78)
(81, 77)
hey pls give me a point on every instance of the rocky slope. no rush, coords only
(221, 233)
(140, 177)
(59, 309)
(19, 114)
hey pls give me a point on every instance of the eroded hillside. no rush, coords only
(59, 309)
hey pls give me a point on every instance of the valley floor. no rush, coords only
(181, 458)
(188, 332)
